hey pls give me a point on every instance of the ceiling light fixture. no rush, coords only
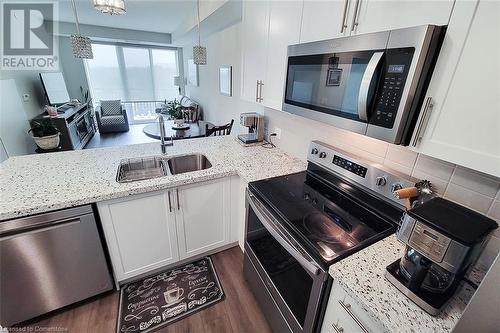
(82, 47)
(199, 52)
(112, 7)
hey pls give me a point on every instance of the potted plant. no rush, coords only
(174, 109)
(45, 133)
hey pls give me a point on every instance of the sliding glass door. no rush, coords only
(141, 77)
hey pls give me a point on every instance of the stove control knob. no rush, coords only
(314, 201)
(314, 151)
(307, 196)
(396, 187)
(380, 181)
(322, 154)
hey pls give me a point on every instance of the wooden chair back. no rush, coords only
(191, 114)
(219, 130)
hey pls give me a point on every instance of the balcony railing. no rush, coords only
(142, 111)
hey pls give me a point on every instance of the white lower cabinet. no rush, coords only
(148, 231)
(202, 216)
(344, 315)
(140, 233)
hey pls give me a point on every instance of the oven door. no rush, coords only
(293, 280)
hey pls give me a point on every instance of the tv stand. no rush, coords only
(76, 125)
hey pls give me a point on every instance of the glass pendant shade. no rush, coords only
(112, 7)
(200, 55)
(82, 47)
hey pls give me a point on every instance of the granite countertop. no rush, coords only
(34, 184)
(362, 276)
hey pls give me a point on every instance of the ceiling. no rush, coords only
(146, 15)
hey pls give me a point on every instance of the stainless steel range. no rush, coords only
(300, 224)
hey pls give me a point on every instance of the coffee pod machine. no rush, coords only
(254, 127)
(443, 240)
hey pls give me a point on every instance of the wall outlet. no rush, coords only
(26, 97)
(277, 130)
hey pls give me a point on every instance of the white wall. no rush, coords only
(223, 48)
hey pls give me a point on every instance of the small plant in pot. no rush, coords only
(174, 109)
(45, 134)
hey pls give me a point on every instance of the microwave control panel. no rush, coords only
(392, 83)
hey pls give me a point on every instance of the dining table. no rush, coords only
(196, 129)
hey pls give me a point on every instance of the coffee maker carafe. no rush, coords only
(442, 240)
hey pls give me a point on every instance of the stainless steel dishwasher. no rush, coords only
(48, 261)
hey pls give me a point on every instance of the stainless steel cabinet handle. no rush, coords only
(419, 134)
(355, 21)
(344, 25)
(178, 203)
(260, 91)
(257, 91)
(347, 308)
(169, 202)
(338, 328)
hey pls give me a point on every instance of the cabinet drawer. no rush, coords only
(344, 315)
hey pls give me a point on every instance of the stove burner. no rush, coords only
(328, 233)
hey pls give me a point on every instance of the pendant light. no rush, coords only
(199, 52)
(82, 47)
(112, 7)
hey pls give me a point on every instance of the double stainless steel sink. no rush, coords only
(135, 169)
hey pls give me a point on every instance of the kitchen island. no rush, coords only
(35, 184)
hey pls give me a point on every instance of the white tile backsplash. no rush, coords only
(464, 186)
(438, 185)
(475, 181)
(468, 198)
(402, 156)
(434, 167)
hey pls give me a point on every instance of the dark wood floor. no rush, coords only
(135, 135)
(238, 312)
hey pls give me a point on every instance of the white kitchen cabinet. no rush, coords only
(323, 19)
(254, 35)
(140, 233)
(380, 15)
(149, 231)
(461, 124)
(284, 30)
(344, 315)
(203, 214)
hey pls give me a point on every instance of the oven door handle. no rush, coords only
(366, 82)
(266, 220)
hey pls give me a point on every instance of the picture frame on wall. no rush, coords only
(192, 73)
(226, 80)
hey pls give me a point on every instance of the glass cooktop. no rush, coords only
(325, 215)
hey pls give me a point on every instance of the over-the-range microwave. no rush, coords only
(373, 84)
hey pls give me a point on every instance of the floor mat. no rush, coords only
(158, 300)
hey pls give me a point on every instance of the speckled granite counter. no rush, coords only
(362, 275)
(38, 183)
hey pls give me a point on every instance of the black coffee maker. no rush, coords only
(442, 240)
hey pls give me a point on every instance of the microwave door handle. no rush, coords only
(264, 219)
(366, 81)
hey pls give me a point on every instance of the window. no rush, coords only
(141, 77)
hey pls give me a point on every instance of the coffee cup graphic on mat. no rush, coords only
(173, 294)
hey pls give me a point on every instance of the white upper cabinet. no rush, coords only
(322, 19)
(140, 233)
(461, 124)
(380, 15)
(255, 29)
(203, 215)
(284, 30)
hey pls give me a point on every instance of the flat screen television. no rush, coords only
(55, 88)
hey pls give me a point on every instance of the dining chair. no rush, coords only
(219, 130)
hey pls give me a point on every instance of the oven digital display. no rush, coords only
(396, 69)
(349, 166)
